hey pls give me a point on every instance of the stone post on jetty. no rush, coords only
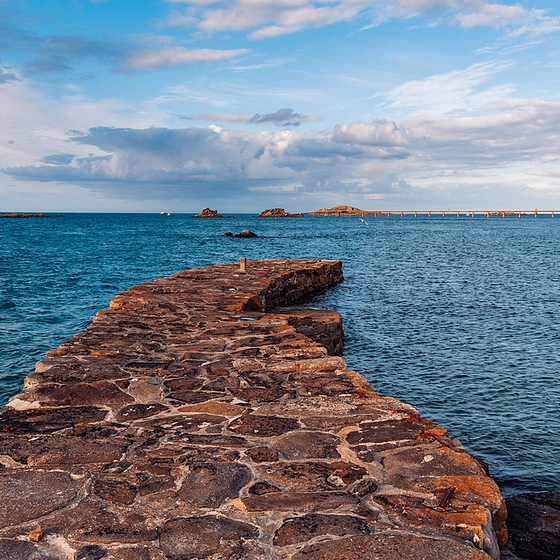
(199, 417)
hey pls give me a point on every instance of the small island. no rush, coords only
(25, 215)
(207, 213)
(340, 210)
(278, 213)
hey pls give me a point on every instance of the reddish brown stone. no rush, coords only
(67, 450)
(137, 411)
(392, 430)
(44, 420)
(262, 455)
(390, 547)
(14, 549)
(118, 532)
(208, 485)
(28, 495)
(80, 394)
(184, 422)
(308, 445)
(200, 537)
(264, 487)
(114, 490)
(257, 394)
(307, 527)
(263, 426)
(299, 501)
(313, 476)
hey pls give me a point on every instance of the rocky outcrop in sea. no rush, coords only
(278, 213)
(208, 213)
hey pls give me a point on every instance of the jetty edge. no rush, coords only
(198, 418)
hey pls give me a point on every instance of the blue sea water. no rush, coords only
(456, 316)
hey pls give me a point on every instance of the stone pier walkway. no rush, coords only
(194, 419)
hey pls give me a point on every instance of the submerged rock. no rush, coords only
(246, 233)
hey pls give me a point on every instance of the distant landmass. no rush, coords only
(279, 213)
(24, 215)
(207, 213)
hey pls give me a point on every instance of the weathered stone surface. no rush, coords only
(195, 419)
(262, 455)
(208, 485)
(30, 494)
(13, 549)
(534, 525)
(389, 547)
(263, 426)
(306, 527)
(203, 537)
(308, 445)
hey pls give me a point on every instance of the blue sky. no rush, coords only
(241, 105)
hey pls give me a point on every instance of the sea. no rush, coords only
(458, 317)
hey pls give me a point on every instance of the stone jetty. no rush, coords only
(200, 418)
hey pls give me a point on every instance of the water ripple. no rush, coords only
(458, 317)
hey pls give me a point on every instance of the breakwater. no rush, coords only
(196, 419)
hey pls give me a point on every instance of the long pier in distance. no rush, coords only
(344, 210)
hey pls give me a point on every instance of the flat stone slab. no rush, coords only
(199, 418)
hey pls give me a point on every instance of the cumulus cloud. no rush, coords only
(370, 158)
(283, 117)
(176, 56)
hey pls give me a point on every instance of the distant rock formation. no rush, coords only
(339, 210)
(245, 234)
(207, 213)
(278, 213)
(24, 215)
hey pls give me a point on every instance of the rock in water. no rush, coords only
(278, 213)
(534, 525)
(207, 213)
(246, 233)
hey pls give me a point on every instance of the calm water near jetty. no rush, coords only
(458, 317)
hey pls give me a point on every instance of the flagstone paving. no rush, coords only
(197, 418)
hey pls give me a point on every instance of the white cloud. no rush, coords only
(495, 15)
(264, 19)
(456, 91)
(176, 56)
(282, 117)
(380, 159)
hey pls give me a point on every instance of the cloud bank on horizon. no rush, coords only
(247, 104)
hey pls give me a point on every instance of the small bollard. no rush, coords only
(242, 264)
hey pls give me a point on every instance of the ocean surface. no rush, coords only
(458, 317)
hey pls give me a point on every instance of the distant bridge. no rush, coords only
(430, 213)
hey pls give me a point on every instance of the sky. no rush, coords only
(242, 105)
